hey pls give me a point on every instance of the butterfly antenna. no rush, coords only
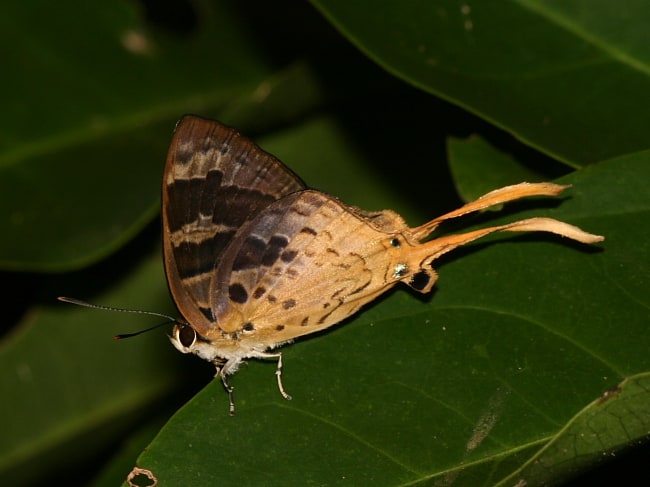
(129, 335)
(78, 302)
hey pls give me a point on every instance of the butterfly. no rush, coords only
(255, 259)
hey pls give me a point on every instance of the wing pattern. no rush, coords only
(215, 181)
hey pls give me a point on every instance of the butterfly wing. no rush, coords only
(305, 263)
(215, 181)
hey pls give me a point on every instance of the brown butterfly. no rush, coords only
(255, 259)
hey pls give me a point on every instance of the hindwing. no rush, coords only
(304, 263)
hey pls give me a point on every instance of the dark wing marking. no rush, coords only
(295, 264)
(214, 182)
(258, 248)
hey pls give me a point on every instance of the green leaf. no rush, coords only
(605, 426)
(121, 462)
(477, 168)
(66, 382)
(569, 77)
(87, 174)
(90, 96)
(109, 386)
(469, 385)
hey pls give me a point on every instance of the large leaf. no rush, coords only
(612, 422)
(65, 382)
(88, 116)
(478, 168)
(470, 386)
(90, 96)
(569, 77)
(58, 347)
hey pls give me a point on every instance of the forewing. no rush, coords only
(215, 181)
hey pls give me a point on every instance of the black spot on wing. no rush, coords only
(276, 245)
(288, 255)
(308, 231)
(250, 254)
(255, 252)
(289, 303)
(237, 293)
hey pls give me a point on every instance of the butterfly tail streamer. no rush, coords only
(432, 250)
(496, 197)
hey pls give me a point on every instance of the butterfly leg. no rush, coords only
(278, 370)
(278, 374)
(222, 372)
(228, 387)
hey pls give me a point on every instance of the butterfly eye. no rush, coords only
(185, 335)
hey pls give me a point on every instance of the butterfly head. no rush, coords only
(187, 340)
